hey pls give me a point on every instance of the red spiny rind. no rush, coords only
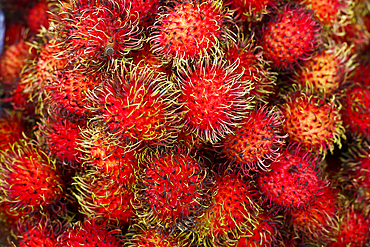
(291, 36)
(190, 140)
(140, 235)
(312, 121)
(11, 129)
(356, 109)
(234, 208)
(256, 140)
(61, 138)
(14, 33)
(333, 14)
(104, 199)
(107, 157)
(189, 28)
(327, 70)
(89, 233)
(250, 10)
(38, 16)
(138, 107)
(252, 67)
(263, 233)
(21, 96)
(317, 222)
(98, 30)
(66, 95)
(354, 227)
(355, 175)
(361, 74)
(11, 63)
(9, 217)
(173, 187)
(213, 98)
(30, 180)
(293, 181)
(144, 11)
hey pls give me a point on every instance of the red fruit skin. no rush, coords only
(37, 234)
(140, 235)
(293, 181)
(30, 180)
(14, 33)
(11, 129)
(291, 36)
(250, 10)
(89, 233)
(188, 29)
(145, 11)
(38, 16)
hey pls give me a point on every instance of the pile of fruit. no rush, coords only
(185, 123)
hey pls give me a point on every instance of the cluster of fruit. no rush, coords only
(185, 123)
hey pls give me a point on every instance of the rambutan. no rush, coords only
(234, 208)
(318, 222)
(312, 121)
(290, 36)
(144, 11)
(326, 71)
(212, 97)
(250, 10)
(104, 199)
(89, 233)
(11, 129)
(173, 188)
(138, 107)
(356, 109)
(30, 180)
(98, 31)
(14, 33)
(140, 235)
(252, 67)
(293, 181)
(256, 139)
(189, 28)
(38, 16)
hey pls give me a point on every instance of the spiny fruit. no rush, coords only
(138, 107)
(326, 71)
(212, 97)
(104, 199)
(312, 121)
(290, 36)
(141, 235)
(317, 222)
(38, 16)
(11, 129)
(98, 31)
(30, 180)
(189, 28)
(144, 11)
(356, 109)
(250, 10)
(89, 233)
(253, 68)
(173, 188)
(234, 208)
(293, 181)
(256, 140)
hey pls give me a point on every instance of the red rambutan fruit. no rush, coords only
(60, 136)
(250, 10)
(89, 233)
(11, 63)
(293, 181)
(311, 121)
(30, 180)
(11, 129)
(9, 217)
(234, 208)
(107, 157)
(327, 70)
(98, 31)
(361, 73)
(355, 109)
(318, 221)
(252, 67)
(38, 16)
(140, 235)
(173, 188)
(104, 199)
(263, 233)
(212, 97)
(21, 97)
(189, 28)
(354, 229)
(256, 139)
(144, 11)
(138, 107)
(14, 33)
(290, 36)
